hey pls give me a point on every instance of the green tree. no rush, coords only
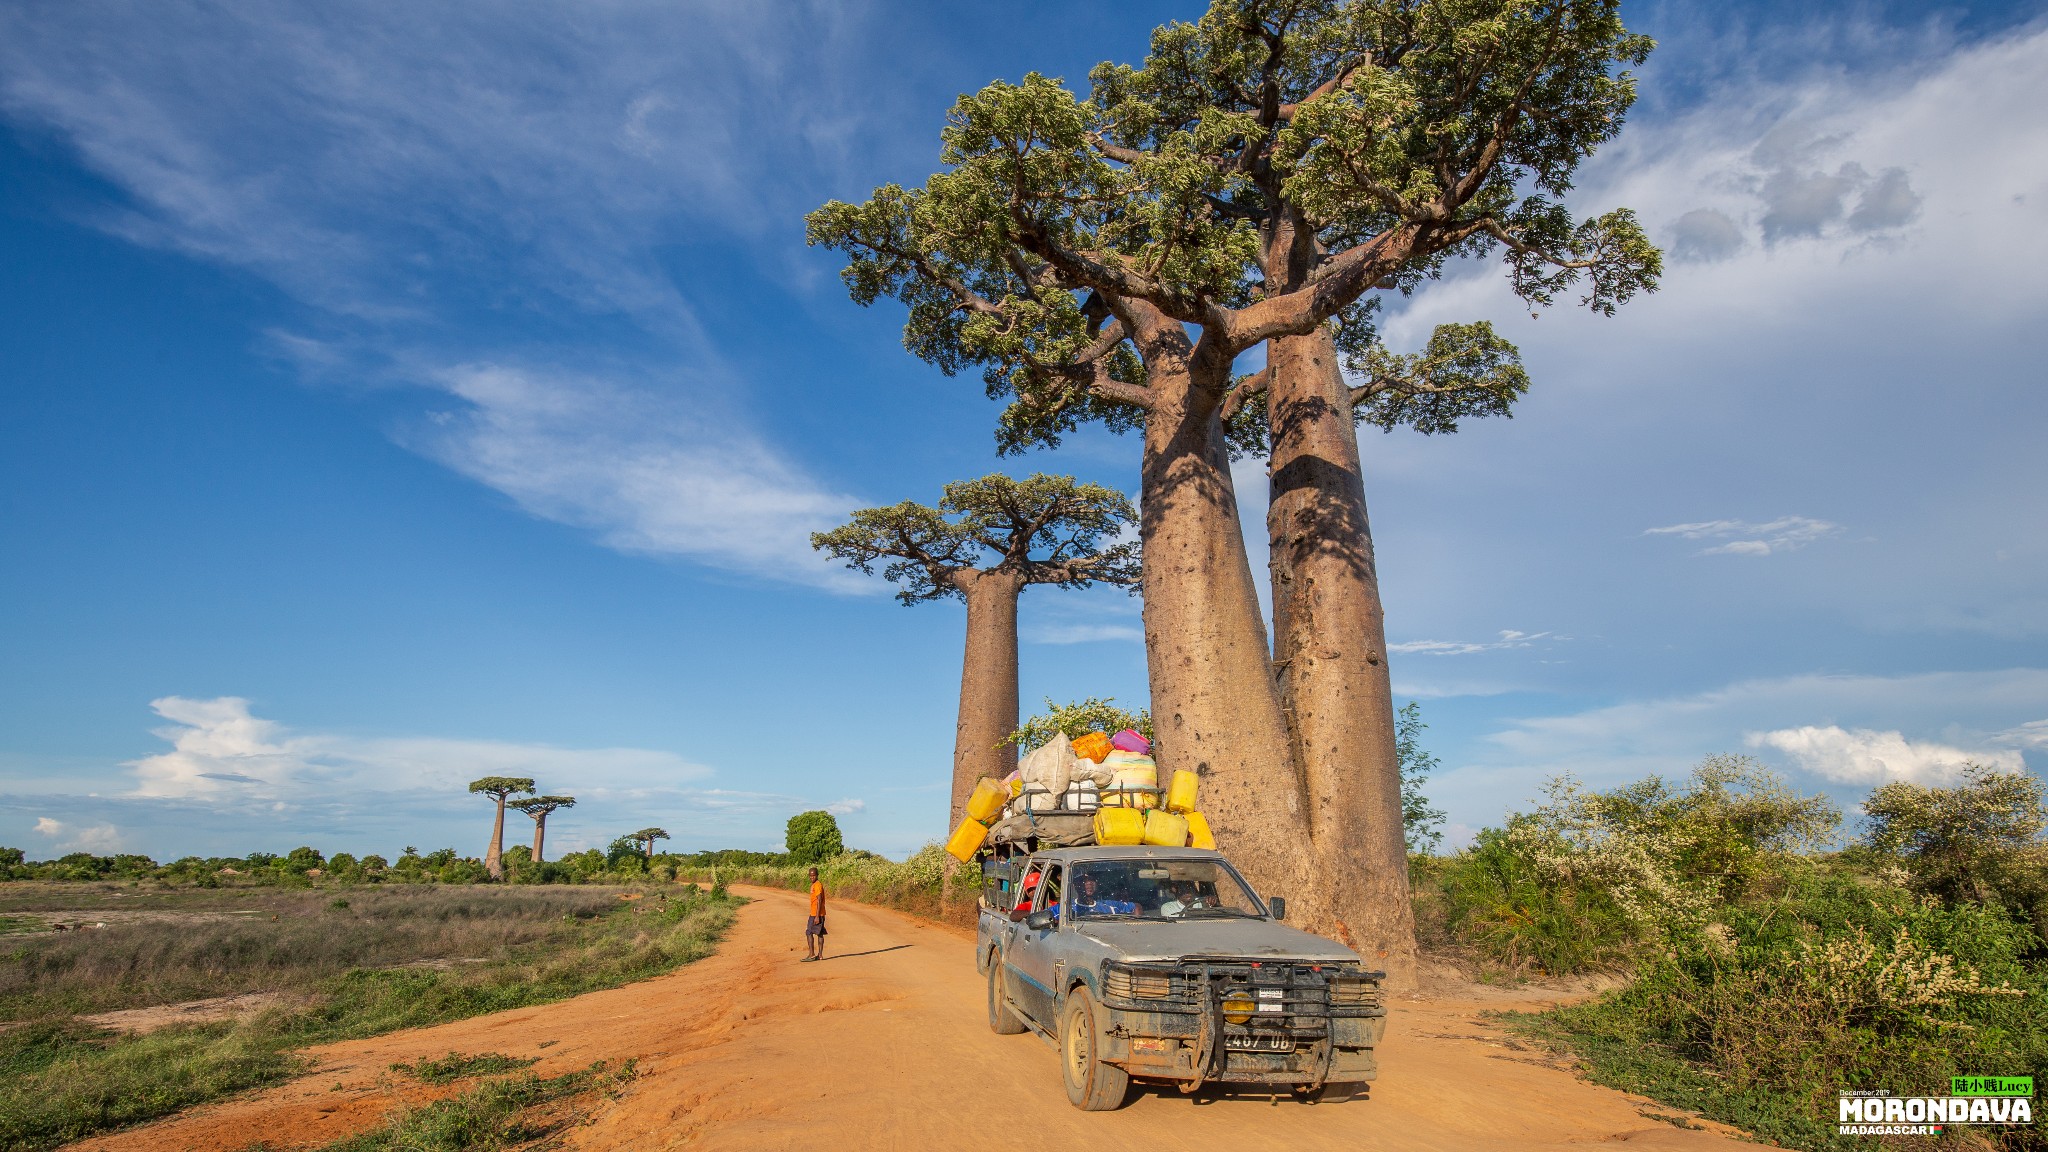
(302, 860)
(1421, 822)
(1072, 720)
(1977, 840)
(986, 542)
(499, 788)
(646, 838)
(539, 808)
(1106, 260)
(813, 837)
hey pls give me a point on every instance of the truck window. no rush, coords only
(1028, 889)
(1049, 890)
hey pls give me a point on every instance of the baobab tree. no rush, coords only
(985, 542)
(1103, 260)
(498, 788)
(540, 807)
(647, 836)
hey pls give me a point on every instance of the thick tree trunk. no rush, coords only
(1329, 647)
(540, 827)
(494, 858)
(1213, 700)
(988, 684)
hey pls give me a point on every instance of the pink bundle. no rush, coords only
(1130, 741)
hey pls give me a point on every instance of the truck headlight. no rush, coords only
(1238, 1007)
(1352, 991)
(1136, 984)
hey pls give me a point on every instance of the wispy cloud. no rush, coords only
(404, 170)
(1744, 538)
(640, 471)
(221, 751)
(1509, 638)
(1866, 756)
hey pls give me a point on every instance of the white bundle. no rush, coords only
(1049, 767)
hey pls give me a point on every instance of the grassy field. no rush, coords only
(346, 962)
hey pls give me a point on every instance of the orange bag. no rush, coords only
(1094, 746)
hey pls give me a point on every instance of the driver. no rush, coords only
(1089, 900)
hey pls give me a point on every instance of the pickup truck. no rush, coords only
(1164, 965)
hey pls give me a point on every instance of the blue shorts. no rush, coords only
(814, 926)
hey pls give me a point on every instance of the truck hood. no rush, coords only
(1223, 939)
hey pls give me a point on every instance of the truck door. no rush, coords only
(1028, 959)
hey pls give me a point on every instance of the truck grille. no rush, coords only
(1247, 993)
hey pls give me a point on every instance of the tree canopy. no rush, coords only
(539, 807)
(813, 837)
(501, 786)
(1397, 135)
(1044, 529)
(1077, 719)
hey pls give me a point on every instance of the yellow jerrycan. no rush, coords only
(987, 801)
(1119, 826)
(966, 840)
(1166, 828)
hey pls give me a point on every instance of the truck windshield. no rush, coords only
(1159, 890)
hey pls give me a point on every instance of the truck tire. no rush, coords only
(1001, 1020)
(1092, 1086)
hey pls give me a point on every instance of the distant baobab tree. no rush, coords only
(498, 788)
(986, 542)
(539, 807)
(648, 836)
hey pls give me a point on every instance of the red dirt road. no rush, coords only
(884, 1046)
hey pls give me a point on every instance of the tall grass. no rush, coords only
(291, 943)
(61, 1080)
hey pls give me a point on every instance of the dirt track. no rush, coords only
(884, 1046)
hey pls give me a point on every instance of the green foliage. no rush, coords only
(1421, 821)
(624, 854)
(1979, 840)
(461, 1066)
(1399, 136)
(518, 1112)
(1045, 530)
(813, 837)
(1824, 982)
(1077, 719)
(499, 787)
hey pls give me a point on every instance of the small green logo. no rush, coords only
(1991, 1085)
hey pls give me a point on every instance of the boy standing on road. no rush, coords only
(814, 927)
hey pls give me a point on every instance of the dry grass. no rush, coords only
(169, 947)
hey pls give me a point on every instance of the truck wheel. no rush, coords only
(1001, 1020)
(1092, 1086)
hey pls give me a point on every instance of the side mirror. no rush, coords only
(1278, 905)
(1042, 919)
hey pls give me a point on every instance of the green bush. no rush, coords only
(813, 837)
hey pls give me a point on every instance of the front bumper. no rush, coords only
(1185, 1036)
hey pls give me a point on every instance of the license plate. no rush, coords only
(1259, 1043)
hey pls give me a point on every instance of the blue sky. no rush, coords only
(396, 395)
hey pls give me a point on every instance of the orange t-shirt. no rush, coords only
(817, 898)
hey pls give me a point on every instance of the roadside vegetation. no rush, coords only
(344, 962)
(1767, 962)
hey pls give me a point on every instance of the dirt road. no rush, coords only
(884, 1046)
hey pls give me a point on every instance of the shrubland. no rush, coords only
(1763, 963)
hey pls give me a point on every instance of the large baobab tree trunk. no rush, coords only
(988, 683)
(1330, 659)
(494, 857)
(540, 828)
(1213, 701)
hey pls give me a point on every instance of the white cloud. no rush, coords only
(100, 839)
(1784, 534)
(1665, 735)
(1509, 638)
(1864, 756)
(220, 751)
(846, 807)
(2032, 734)
(641, 473)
